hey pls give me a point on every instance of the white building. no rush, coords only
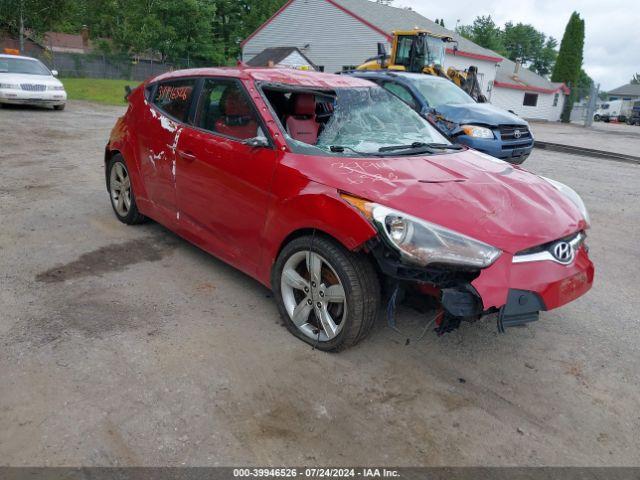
(341, 34)
(282, 57)
(526, 93)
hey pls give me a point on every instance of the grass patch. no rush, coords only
(108, 92)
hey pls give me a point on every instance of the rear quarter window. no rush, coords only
(174, 97)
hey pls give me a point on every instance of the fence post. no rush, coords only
(591, 107)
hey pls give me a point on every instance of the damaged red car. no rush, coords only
(336, 195)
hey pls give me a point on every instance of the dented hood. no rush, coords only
(468, 192)
(479, 114)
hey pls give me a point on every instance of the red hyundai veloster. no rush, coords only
(334, 193)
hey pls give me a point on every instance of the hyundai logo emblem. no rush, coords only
(517, 133)
(563, 252)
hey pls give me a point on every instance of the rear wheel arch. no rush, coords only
(108, 155)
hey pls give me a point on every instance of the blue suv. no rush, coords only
(481, 126)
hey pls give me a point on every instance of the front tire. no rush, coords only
(59, 107)
(121, 193)
(328, 296)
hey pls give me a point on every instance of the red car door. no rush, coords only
(161, 125)
(222, 184)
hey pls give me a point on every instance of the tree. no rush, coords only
(635, 80)
(35, 16)
(569, 62)
(523, 42)
(484, 32)
(519, 42)
(583, 88)
(442, 22)
(179, 31)
(544, 60)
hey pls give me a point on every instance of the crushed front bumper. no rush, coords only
(517, 291)
(554, 283)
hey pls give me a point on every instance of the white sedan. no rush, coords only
(27, 81)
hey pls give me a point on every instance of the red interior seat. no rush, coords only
(237, 118)
(301, 124)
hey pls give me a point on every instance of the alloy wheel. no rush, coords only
(120, 187)
(313, 296)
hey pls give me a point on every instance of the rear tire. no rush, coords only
(121, 192)
(347, 291)
(59, 107)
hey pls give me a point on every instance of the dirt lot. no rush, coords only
(127, 346)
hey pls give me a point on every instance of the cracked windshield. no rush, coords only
(357, 121)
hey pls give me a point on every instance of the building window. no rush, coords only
(530, 99)
(555, 99)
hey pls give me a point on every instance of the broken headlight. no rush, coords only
(424, 243)
(572, 195)
(477, 131)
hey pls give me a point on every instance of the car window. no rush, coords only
(440, 91)
(226, 109)
(400, 92)
(23, 65)
(174, 97)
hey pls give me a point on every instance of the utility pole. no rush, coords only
(21, 27)
(591, 106)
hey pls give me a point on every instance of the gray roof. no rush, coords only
(276, 55)
(525, 77)
(389, 19)
(628, 89)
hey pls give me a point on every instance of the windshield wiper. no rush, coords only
(342, 148)
(434, 146)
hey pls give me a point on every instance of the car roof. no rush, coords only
(397, 75)
(288, 76)
(8, 55)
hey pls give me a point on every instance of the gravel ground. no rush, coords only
(127, 346)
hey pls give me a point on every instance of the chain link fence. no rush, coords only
(97, 65)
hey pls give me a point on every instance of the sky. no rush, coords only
(612, 38)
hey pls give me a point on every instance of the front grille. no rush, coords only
(510, 146)
(514, 132)
(545, 247)
(33, 87)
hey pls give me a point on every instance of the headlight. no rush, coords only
(424, 243)
(9, 86)
(571, 194)
(55, 87)
(477, 131)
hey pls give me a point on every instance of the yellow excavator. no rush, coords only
(420, 51)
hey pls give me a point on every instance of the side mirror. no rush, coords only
(256, 142)
(127, 92)
(54, 73)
